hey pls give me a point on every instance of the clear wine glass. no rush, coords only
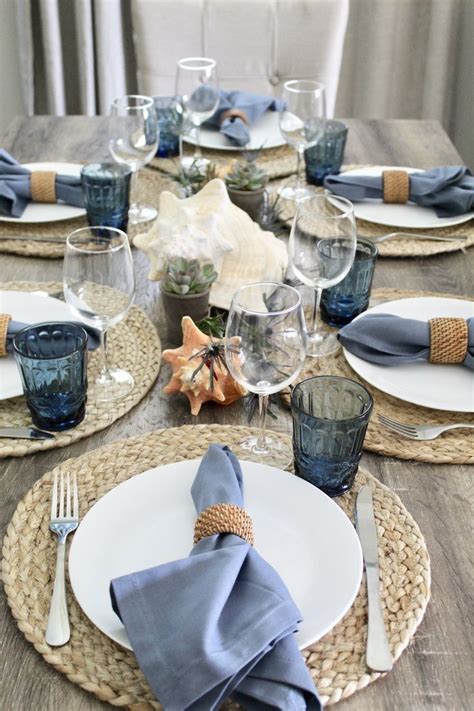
(133, 140)
(265, 351)
(99, 286)
(302, 122)
(322, 248)
(197, 87)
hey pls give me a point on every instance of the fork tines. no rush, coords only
(63, 505)
(398, 427)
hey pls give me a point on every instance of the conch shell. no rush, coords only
(209, 227)
(198, 389)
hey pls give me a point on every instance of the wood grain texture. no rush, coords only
(435, 673)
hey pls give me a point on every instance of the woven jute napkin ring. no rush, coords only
(224, 518)
(43, 186)
(4, 321)
(396, 186)
(448, 340)
(234, 113)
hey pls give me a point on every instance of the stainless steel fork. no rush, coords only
(64, 519)
(421, 432)
(412, 235)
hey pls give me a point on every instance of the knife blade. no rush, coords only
(378, 654)
(34, 238)
(25, 433)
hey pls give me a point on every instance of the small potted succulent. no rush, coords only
(185, 289)
(246, 184)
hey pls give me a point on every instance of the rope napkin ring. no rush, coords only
(448, 340)
(4, 321)
(234, 113)
(224, 518)
(396, 186)
(43, 186)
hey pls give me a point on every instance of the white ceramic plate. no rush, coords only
(442, 387)
(264, 132)
(49, 212)
(30, 308)
(149, 519)
(403, 216)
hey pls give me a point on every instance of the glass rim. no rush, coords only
(206, 63)
(367, 409)
(316, 85)
(80, 329)
(266, 313)
(349, 211)
(89, 228)
(370, 244)
(148, 101)
(123, 168)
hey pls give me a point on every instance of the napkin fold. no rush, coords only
(15, 191)
(449, 190)
(93, 336)
(390, 340)
(252, 105)
(219, 623)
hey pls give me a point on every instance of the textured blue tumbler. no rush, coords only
(106, 189)
(325, 158)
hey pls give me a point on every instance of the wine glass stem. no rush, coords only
(134, 191)
(105, 375)
(261, 445)
(315, 319)
(299, 171)
(197, 145)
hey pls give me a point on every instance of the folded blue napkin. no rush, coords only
(252, 105)
(449, 190)
(219, 623)
(390, 340)
(93, 336)
(15, 187)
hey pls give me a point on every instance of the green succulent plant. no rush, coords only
(188, 276)
(246, 175)
(197, 175)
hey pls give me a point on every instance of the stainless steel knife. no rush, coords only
(24, 433)
(34, 238)
(378, 655)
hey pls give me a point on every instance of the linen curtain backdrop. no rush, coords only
(402, 58)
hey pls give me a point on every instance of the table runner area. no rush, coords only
(99, 665)
(454, 447)
(133, 344)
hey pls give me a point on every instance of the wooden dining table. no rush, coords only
(435, 671)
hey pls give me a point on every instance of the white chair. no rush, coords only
(258, 44)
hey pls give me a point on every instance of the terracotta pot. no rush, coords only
(249, 200)
(178, 305)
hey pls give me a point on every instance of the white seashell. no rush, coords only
(209, 227)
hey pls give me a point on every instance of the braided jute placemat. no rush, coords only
(133, 345)
(150, 185)
(453, 447)
(99, 665)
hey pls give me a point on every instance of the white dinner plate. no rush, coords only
(264, 132)
(45, 211)
(30, 308)
(149, 519)
(442, 387)
(403, 216)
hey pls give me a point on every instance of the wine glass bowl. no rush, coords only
(197, 87)
(133, 141)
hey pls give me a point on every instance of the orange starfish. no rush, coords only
(198, 389)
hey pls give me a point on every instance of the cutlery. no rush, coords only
(378, 654)
(64, 520)
(25, 433)
(421, 432)
(436, 238)
(35, 238)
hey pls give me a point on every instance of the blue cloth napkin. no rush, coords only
(93, 336)
(15, 187)
(449, 190)
(253, 105)
(390, 340)
(219, 623)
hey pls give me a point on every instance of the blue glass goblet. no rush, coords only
(52, 358)
(106, 189)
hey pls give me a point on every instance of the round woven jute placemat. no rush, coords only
(150, 185)
(133, 345)
(400, 247)
(94, 662)
(453, 447)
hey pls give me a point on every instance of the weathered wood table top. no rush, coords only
(435, 672)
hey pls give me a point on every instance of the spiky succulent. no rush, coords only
(197, 175)
(246, 175)
(188, 276)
